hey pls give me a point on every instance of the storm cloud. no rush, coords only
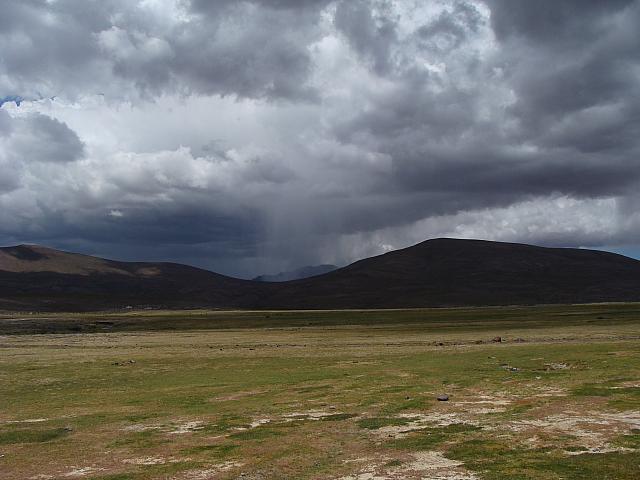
(257, 136)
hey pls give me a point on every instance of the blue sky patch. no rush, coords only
(11, 98)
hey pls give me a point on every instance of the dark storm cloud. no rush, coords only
(568, 56)
(571, 129)
(45, 139)
(5, 123)
(39, 138)
(254, 63)
(193, 230)
(371, 32)
(568, 23)
(189, 222)
(209, 7)
(450, 29)
(121, 48)
(47, 45)
(33, 141)
(351, 123)
(9, 177)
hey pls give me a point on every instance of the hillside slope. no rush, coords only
(450, 272)
(39, 278)
(439, 272)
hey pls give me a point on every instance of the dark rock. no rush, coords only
(443, 398)
(497, 339)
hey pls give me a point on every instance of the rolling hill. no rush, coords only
(39, 278)
(439, 272)
(451, 272)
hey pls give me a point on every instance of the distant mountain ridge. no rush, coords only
(438, 272)
(297, 274)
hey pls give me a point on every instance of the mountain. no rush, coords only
(297, 274)
(452, 272)
(439, 272)
(38, 278)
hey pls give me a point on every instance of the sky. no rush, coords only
(251, 137)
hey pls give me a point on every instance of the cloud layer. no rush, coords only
(260, 135)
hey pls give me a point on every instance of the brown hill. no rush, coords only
(440, 272)
(39, 278)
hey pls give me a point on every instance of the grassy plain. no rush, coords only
(322, 395)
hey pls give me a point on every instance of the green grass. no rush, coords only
(217, 451)
(631, 440)
(65, 400)
(599, 390)
(32, 436)
(379, 422)
(498, 460)
(429, 438)
(139, 440)
(461, 319)
(117, 476)
(259, 433)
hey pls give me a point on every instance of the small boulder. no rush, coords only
(443, 398)
(497, 339)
